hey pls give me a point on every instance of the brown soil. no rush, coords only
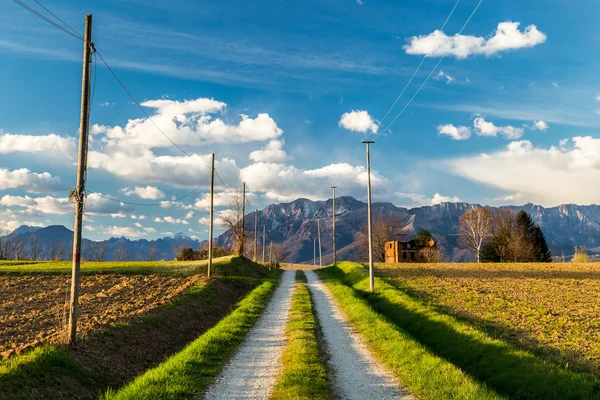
(110, 356)
(33, 308)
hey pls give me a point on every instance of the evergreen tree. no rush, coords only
(541, 253)
(422, 239)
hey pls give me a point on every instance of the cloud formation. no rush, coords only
(507, 37)
(51, 144)
(272, 152)
(148, 192)
(540, 126)
(358, 121)
(484, 128)
(29, 181)
(455, 132)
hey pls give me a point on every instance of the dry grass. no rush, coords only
(551, 309)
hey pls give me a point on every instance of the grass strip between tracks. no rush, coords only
(304, 374)
(190, 372)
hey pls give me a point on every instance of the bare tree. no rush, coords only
(19, 249)
(152, 252)
(232, 220)
(475, 229)
(120, 252)
(430, 254)
(385, 229)
(34, 247)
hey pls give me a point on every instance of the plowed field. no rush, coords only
(33, 308)
(552, 309)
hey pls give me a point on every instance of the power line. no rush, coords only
(48, 20)
(430, 74)
(63, 22)
(147, 204)
(418, 68)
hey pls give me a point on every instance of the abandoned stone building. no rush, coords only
(397, 252)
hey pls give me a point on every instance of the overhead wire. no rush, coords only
(39, 15)
(430, 74)
(418, 68)
(63, 22)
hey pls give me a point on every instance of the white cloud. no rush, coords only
(540, 125)
(484, 128)
(170, 220)
(29, 181)
(123, 231)
(150, 230)
(547, 176)
(189, 123)
(358, 121)
(272, 152)
(137, 224)
(439, 199)
(555, 84)
(506, 37)
(221, 199)
(50, 144)
(455, 132)
(44, 205)
(148, 192)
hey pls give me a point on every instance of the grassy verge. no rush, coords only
(507, 370)
(111, 357)
(223, 266)
(189, 372)
(424, 373)
(304, 374)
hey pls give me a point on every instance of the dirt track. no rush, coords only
(32, 308)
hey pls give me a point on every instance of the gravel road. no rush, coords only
(252, 372)
(356, 374)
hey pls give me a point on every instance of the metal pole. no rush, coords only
(371, 272)
(319, 235)
(79, 194)
(315, 252)
(256, 235)
(243, 218)
(271, 255)
(264, 241)
(210, 228)
(333, 207)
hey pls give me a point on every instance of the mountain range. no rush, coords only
(294, 227)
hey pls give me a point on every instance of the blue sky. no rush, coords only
(509, 117)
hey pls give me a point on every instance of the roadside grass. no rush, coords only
(550, 309)
(113, 355)
(304, 372)
(223, 266)
(502, 367)
(190, 372)
(425, 374)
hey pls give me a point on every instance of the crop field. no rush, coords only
(550, 309)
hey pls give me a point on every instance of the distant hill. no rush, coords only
(294, 225)
(56, 241)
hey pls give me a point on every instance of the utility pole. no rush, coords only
(315, 252)
(271, 255)
(210, 228)
(333, 206)
(243, 218)
(78, 195)
(264, 241)
(371, 272)
(319, 235)
(256, 235)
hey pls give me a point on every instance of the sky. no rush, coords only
(501, 106)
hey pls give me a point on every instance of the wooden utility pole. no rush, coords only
(319, 235)
(243, 218)
(256, 235)
(371, 272)
(264, 241)
(210, 228)
(78, 195)
(315, 252)
(271, 255)
(333, 216)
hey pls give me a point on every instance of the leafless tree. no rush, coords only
(475, 229)
(430, 254)
(54, 250)
(152, 253)
(34, 247)
(19, 249)
(120, 253)
(232, 220)
(3, 246)
(385, 229)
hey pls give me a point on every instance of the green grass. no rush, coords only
(189, 372)
(223, 266)
(505, 369)
(304, 372)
